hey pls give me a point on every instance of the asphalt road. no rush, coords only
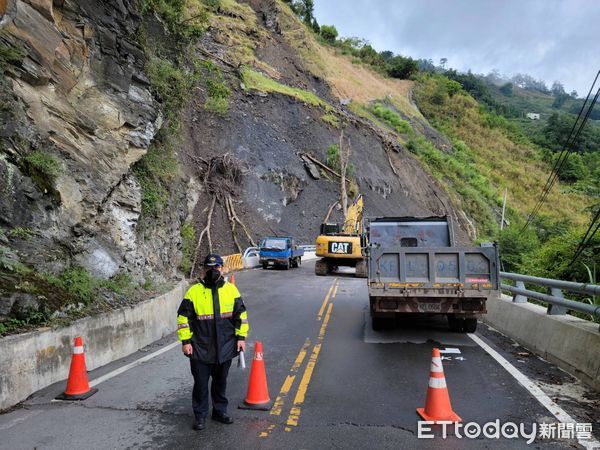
(336, 383)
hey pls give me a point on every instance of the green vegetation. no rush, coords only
(155, 172)
(331, 119)
(457, 169)
(77, 282)
(9, 56)
(186, 19)
(333, 161)
(391, 118)
(172, 85)
(172, 80)
(257, 81)
(491, 153)
(188, 244)
(217, 98)
(21, 233)
(43, 168)
(12, 324)
(329, 33)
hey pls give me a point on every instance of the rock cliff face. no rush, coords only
(78, 112)
(78, 97)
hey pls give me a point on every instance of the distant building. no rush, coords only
(533, 116)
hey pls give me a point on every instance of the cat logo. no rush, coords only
(344, 248)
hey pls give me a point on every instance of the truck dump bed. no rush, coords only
(413, 268)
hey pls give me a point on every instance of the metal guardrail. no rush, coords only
(557, 304)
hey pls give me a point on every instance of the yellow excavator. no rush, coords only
(342, 246)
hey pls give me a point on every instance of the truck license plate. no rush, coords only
(430, 307)
(271, 263)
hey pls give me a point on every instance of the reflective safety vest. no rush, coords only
(212, 320)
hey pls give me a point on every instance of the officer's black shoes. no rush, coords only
(223, 418)
(199, 424)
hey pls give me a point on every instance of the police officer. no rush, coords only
(212, 325)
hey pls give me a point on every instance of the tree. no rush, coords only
(507, 89)
(315, 26)
(387, 55)
(426, 65)
(401, 67)
(557, 89)
(573, 169)
(329, 33)
(560, 100)
(369, 55)
(443, 62)
(574, 94)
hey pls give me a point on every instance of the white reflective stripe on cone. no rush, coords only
(437, 383)
(77, 350)
(436, 364)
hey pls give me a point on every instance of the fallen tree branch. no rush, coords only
(330, 210)
(237, 219)
(206, 231)
(327, 168)
(232, 223)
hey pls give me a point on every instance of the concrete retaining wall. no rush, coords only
(571, 343)
(32, 361)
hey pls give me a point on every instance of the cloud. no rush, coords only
(550, 40)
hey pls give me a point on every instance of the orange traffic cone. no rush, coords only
(437, 405)
(257, 396)
(77, 384)
(232, 279)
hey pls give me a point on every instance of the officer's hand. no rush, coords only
(187, 349)
(241, 346)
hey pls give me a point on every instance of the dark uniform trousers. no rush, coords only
(201, 373)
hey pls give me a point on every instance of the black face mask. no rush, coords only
(211, 277)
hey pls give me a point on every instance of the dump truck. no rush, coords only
(414, 267)
(343, 245)
(280, 251)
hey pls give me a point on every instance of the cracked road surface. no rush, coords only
(335, 383)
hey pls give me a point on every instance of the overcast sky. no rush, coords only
(548, 39)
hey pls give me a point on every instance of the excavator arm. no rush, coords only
(353, 222)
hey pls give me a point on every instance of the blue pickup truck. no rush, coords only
(280, 251)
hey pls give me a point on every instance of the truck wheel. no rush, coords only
(470, 325)
(456, 323)
(287, 264)
(361, 269)
(265, 265)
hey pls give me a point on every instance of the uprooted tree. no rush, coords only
(219, 176)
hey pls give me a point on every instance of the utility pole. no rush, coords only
(503, 208)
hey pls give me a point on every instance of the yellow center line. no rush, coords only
(320, 315)
(306, 377)
(289, 380)
(335, 289)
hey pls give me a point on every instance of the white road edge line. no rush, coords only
(534, 389)
(137, 362)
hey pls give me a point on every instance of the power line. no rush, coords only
(586, 240)
(563, 156)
